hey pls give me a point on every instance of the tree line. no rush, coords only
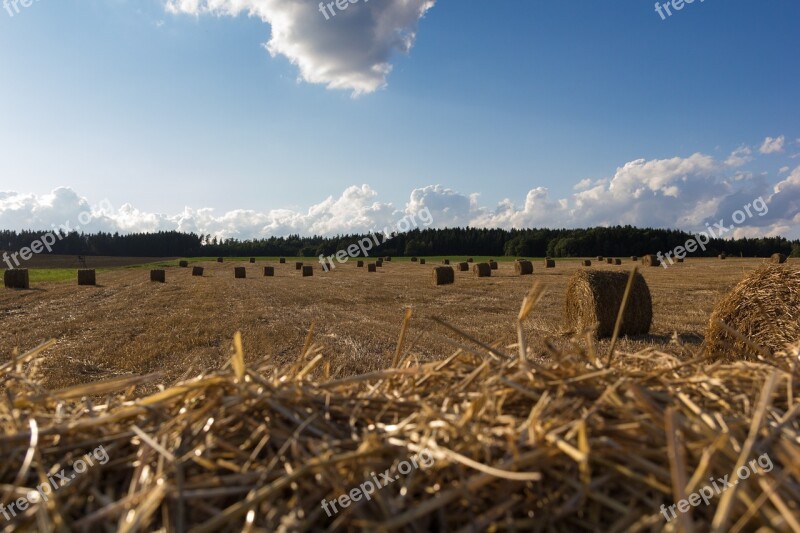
(616, 241)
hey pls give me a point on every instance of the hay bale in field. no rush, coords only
(443, 275)
(634, 258)
(269, 272)
(252, 260)
(679, 259)
(360, 264)
(463, 267)
(723, 255)
(587, 263)
(523, 267)
(594, 298)
(482, 270)
(609, 260)
(549, 263)
(87, 276)
(387, 259)
(379, 263)
(764, 307)
(220, 260)
(16, 278)
(650, 261)
(183, 264)
(421, 261)
(298, 266)
(158, 276)
(282, 260)
(240, 272)
(777, 259)
(445, 261)
(414, 259)
(308, 270)
(600, 259)
(493, 264)
(617, 262)
(372, 267)
(197, 271)
(470, 260)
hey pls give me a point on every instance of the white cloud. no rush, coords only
(783, 170)
(773, 146)
(739, 157)
(353, 50)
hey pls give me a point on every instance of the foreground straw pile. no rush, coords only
(584, 442)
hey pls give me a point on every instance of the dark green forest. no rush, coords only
(605, 241)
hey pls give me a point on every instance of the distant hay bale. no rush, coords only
(308, 270)
(220, 260)
(679, 259)
(87, 276)
(587, 263)
(298, 266)
(240, 272)
(379, 263)
(594, 298)
(421, 261)
(282, 260)
(609, 260)
(16, 278)
(600, 259)
(493, 264)
(443, 275)
(482, 270)
(650, 261)
(523, 267)
(617, 262)
(252, 260)
(387, 258)
(372, 267)
(723, 255)
(470, 260)
(549, 263)
(777, 258)
(634, 258)
(269, 272)
(158, 276)
(414, 259)
(197, 271)
(445, 261)
(463, 267)
(183, 264)
(360, 264)
(764, 307)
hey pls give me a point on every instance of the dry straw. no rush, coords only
(482, 270)
(158, 276)
(16, 278)
(518, 442)
(523, 267)
(87, 276)
(443, 275)
(760, 315)
(594, 298)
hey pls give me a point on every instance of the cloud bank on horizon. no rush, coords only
(351, 50)
(681, 192)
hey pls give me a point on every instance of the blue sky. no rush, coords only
(179, 117)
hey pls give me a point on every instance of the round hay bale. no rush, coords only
(158, 276)
(220, 260)
(463, 267)
(87, 276)
(16, 278)
(723, 255)
(595, 296)
(493, 264)
(523, 267)
(777, 259)
(617, 262)
(421, 261)
(372, 267)
(445, 261)
(634, 258)
(379, 263)
(197, 271)
(609, 261)
(252, 260)
(298, 266)
(549, 263)
(764, 307)
(387, 259)
(240, 273)
(443, 275)
(414, 259)
(650, 261)
(587, 263)
(269, 272)
(470, 260)
(282, 260)
(679, 259)
(600, 259)
(359, 264)
(482, 270)
(308, 270)
(183, 264)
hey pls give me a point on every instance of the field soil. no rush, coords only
(128, 325)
